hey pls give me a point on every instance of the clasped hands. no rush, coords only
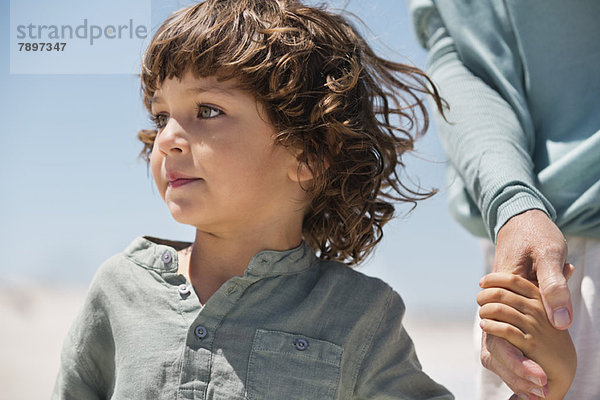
(524, 340)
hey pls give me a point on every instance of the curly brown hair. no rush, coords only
(327, 94)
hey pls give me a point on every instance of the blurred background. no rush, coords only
(74, 193)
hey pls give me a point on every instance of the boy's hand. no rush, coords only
(530, 245)
(512, 309)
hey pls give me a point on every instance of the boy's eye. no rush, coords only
(207, 112)
(204, 112)
(160, 120)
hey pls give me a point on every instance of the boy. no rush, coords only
(278, 133)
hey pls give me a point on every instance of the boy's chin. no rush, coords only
(186, 219)
(182, 211)
(180, 215)
(182, 218)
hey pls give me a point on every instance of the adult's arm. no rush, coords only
(488, 134)
(488, 137)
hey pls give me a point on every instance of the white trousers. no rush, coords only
(584, 285)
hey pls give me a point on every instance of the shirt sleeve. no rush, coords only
(390, 369)
(87, 353)
(487, 134)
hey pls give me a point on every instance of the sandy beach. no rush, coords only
(35, 319)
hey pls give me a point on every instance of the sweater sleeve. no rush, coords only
(487, 133)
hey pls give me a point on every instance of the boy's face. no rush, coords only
(214, 160)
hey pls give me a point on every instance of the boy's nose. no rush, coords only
(171, 140)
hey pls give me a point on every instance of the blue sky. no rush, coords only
(74, 192)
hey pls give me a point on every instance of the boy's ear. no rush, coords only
(300, 172)
(304, 170)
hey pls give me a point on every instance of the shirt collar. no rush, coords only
(161, 255)
(273, 262)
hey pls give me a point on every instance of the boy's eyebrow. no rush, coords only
(200, 89)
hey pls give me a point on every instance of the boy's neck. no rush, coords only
(214, 259)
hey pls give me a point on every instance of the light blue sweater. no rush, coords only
(522, 79)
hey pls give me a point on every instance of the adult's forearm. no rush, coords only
(484, 141)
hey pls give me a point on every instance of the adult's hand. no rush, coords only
(530, 245)
(521, 375)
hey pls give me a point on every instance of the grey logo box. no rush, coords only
(78, 36)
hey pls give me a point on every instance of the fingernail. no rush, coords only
(523, 396)
(538, 392)
(561, 318)
(534, 380)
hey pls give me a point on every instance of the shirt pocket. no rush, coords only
(289, 366)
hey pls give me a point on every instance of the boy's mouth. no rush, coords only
(182, 181)
(177, 180)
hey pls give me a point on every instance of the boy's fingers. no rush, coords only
(504, 330)
(503, 296)
(503, 314)
(525, 396)
(511, 282)
(568, 270)
(520, 374)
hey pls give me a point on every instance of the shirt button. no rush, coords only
(231, 289)
(301, 344)
(200, 332)
(166, 257)
(183, 289)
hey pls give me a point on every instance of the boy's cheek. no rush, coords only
(155, 168)
(155, 160)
